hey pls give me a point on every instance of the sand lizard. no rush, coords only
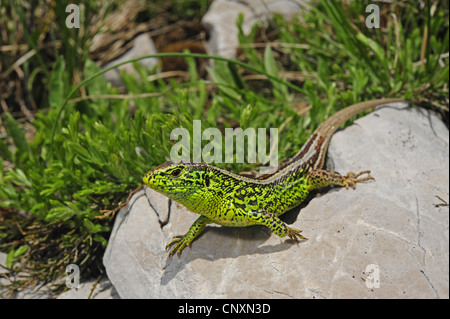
(229, 199)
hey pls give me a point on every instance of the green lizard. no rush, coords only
(229, 199)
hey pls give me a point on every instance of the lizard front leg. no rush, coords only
(322, 178)
(276, 225)
(181, 242)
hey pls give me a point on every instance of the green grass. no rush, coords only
(89, 153)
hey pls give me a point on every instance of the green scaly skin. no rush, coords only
(228, 199)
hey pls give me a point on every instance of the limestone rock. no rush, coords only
(102, 290)
(143, 45)
(386, 239)
(37, 292)
(222, 15)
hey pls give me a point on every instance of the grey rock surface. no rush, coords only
(386, 239)
(222, 15)
(92, 290)
(220, 20)
(143, 45)
(102, 290)
(29, 293)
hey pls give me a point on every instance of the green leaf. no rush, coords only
(374, 46)
(17, 134)
(97, 85)
(4, 151)
(247, 115)
(56, 84)
(58, 213)
(9, 195)
(192, 68)
(9, 259)
(20, 251)
(1, 171)
(224, 78)
(271, 68)
(377, 49)
(80, 151)
(101, 240)
(50, 189)
(13, 254)
(269, 62)
(73, 125)
(19, 178)
(91, 227)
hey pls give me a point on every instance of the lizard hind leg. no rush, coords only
(322, 178)
(351, 179)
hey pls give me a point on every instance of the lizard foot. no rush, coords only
(351, 179)
(180, 243)
(294, 234)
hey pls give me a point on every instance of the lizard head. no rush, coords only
(178, 181)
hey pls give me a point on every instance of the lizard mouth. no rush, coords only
(146, 178)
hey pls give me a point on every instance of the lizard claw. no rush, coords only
(180, 243)
(351, 179)
(294, 234)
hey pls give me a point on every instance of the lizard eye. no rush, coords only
(176, 172)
